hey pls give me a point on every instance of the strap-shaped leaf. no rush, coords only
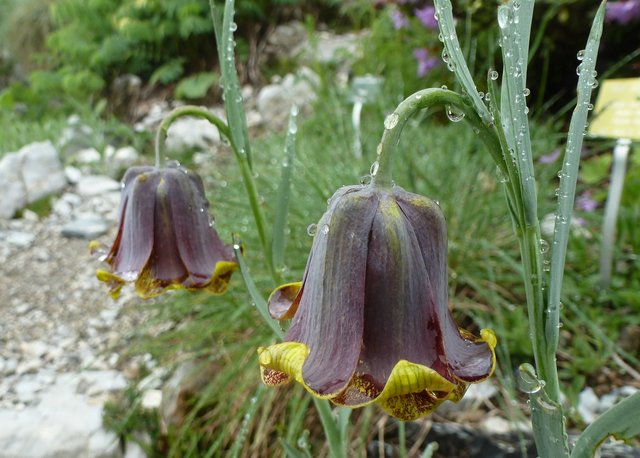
(569, 174)
(620, 421)
(233, 102)
(284, 191)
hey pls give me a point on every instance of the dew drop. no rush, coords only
(454, 114)
(544, 246)
(493, 75)
(233, 27)
(580, 54)
(325, 229)
(444, 86)
(236, 246)
(391, 121)
(487, 97)
(445, 56)
(374, 168)
(526, 92)
(365, 179)
(505, 16)
(590, 106)
(312, 229)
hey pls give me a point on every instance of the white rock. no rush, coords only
(18, 239)
(12, 188)
(42, 172)
(63, 424)
(151, 399)
(94, 185)
(73, 174)
(588, 405)
(88, 156)
(86, 227)
(275, 100)
(125, 157)
(190, 133)
(133, 450)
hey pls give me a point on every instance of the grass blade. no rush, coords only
(257, 298)
(619, 421)
(284, 192)
(569, 173)
(233, 102)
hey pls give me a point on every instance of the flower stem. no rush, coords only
(245, 170)
(427, 98)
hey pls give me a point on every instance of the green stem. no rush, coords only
(402, 439)
(424, 99)
(337, 444)
(245, 170)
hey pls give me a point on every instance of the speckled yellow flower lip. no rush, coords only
(371, 322)
(165, 238)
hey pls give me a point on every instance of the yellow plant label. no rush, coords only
(617, 110)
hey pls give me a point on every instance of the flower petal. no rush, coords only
(469, 359)
(197, 242)
(330, 315)
(400, 316)
(133, 245)
(284, 301)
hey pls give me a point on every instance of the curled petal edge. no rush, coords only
(283, 301)
(412, 390)
(147, 286)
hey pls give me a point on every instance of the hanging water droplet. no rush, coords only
(454, 114)
(451, 66)
(236, 246)
(594, 83)
(528, 382)
(325, 229)
(505, 16)
(445, 56)
(312, 229)
(589, 106)
(487, 97)
(526, 92)
(365, 179)
(580, 54)
(444, 86)
(374, 168)
(544, 246)
(501, 176)
(526, 111)
(391, 121)
(481, 95)
(233, 27)
(493, 75)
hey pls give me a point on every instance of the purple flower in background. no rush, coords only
(585, 203)
(425, 61)
(426, 16)
(551, 157)
(623, 12)
(400, 21)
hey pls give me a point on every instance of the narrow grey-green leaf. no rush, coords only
(257, 298)
(514, 110)
(290, 451)
(569, 174)
(233, 102)
(523, 10)
(454, 58)
(546, 415)
(241, 436)
(284, 191)
(620, 421)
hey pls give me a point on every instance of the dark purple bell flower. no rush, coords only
(166, 238)
(371, 321)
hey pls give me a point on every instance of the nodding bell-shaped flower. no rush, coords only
(370, 318)
(166, 238)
